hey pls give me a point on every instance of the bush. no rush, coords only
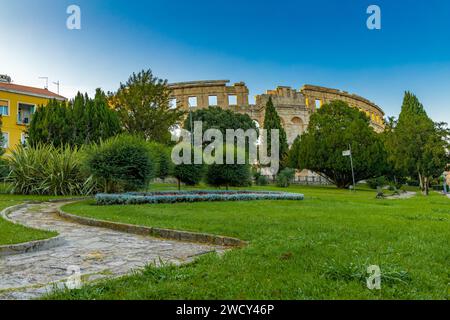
(376, 182)
(192, 196)
(285, 177)
(235, 175)
(4, 169)
(262, 181)
(121, 163)
(47, 170)
(189, 174)
(413, 182)
(160, 155)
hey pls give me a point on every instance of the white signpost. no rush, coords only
(348, 153)
(445, 181)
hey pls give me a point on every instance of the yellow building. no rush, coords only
(17, 105)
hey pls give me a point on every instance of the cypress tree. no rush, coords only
(418, 146)
(273, 121)
(80, 121)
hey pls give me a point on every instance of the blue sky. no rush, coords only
(264, 43)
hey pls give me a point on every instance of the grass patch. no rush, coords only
(14, 234)
(11, 233)
(318, 248)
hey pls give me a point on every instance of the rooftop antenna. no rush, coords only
(57, 85)
(46, 81)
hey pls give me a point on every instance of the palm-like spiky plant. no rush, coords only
(48, 170)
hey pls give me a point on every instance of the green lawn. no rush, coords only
(13, 233)
(318, 248)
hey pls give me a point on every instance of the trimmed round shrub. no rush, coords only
(262, 181)
(121, 163)
(285, 177)
(160, 155)
(234, 175)
(189, 174)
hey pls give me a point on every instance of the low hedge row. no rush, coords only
(198, 192)
(192, 196)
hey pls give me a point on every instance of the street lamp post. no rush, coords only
(348, 153)
(191, 124)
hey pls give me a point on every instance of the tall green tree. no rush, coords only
(143, 106)
(218, 118)
(80, 121)
(418, 146)
(331, 130)
(294, 153)
(51, 124)
(392, 173)
(272, 121)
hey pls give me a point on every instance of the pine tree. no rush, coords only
(331, 130)
(418, 146)
(143, 107)
(272, 121)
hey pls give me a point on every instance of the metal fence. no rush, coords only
(316, 180)
(305, 180)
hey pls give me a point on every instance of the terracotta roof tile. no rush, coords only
(44, 93)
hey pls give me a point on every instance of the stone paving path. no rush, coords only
(98, 252)
(403, 195)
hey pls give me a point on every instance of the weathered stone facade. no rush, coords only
(294, 106)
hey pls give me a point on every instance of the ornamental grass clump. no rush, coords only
(48, 170)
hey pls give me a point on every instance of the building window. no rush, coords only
(5, 140)
(232, 100)
(25, 112)
(23, 138)
(192, 102)
(212, 101)
(4, 108)
(318, 103)
(173, 103)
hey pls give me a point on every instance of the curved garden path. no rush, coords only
(98, 252)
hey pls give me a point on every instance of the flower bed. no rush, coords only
(193, 196)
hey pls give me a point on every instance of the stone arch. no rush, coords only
(295, 128)
(298, 123)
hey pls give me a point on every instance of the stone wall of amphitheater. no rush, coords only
(316, 96)
(294, 106)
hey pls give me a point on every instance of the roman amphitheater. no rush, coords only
(294, 106)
